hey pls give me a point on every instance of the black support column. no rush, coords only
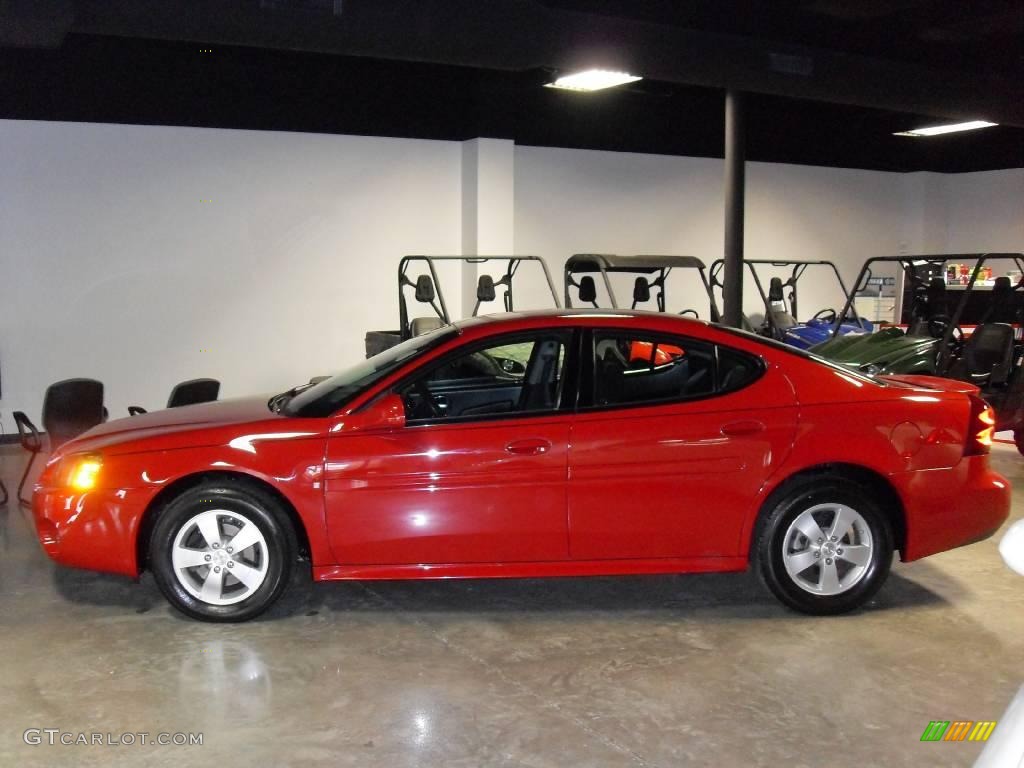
(735, 184)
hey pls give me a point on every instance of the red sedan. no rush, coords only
(533, 445)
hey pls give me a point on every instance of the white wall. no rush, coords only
(573, 201)
(965, 212)
(114, 268)
(985, 211)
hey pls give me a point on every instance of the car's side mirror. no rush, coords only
(510, 366)
(387, 412)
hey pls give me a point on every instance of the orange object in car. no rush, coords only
(640, 352)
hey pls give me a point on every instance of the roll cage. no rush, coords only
(799, 266)
(640, 265)
(909, 267)
(427, 287)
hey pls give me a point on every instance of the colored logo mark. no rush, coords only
(958, 730)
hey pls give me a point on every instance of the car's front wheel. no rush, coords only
(825, 547)
(222, 551)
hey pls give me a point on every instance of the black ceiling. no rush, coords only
(153, 79)
(959, 34)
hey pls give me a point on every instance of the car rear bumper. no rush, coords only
(949, 508)
(96, 530)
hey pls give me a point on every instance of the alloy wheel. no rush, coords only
(220, 557)
(827, 549)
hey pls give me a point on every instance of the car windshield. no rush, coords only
(329, 395)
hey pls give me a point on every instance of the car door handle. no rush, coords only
(530, 447)
(739, 428)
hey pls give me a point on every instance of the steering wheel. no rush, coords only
(828, 315)
(689, 312)
(938, 326)
(420, 388)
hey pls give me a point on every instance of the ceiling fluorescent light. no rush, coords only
(938, 130)
(593, 80)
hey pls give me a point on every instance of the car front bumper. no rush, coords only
(96, 530)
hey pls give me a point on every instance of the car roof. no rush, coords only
(594, 262)
(557, 318)
(565, 316)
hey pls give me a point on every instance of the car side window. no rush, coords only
(636, 368)
(506, 360)
(520, 375)
(736, 369)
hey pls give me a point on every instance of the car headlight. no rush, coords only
(81, 472)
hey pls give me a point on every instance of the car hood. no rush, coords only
(889, 349)
(216, 420)
(814, 332)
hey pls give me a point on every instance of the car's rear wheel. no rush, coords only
(825, 547)
(222, 551)
(1018, 438)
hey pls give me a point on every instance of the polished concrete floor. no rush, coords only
(648, 671)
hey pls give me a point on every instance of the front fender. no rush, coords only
(99, 529)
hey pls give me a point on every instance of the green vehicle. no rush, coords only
(927, 336)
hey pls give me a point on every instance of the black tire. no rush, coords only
(785, 508)
(1018, 438)
(259, 508)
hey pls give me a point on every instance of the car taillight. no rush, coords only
(981, 429)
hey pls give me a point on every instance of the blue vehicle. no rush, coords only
(780, 321)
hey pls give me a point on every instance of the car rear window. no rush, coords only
(803, 353)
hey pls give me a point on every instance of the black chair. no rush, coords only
(193, 392)
(31, 442)
(70, 407)
(189, 392)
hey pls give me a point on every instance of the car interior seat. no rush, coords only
(781, 319)
(1004, 307)
(929, 303)
(937, 297)
(588, 290)
(540, 388)
(425, 294)
(610, 370)
(421, 325)
(484, 291)
(641, 291)
(987, 358)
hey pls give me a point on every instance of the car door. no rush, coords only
(673, 440)
(477, 474)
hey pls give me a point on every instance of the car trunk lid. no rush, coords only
(934, 383)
